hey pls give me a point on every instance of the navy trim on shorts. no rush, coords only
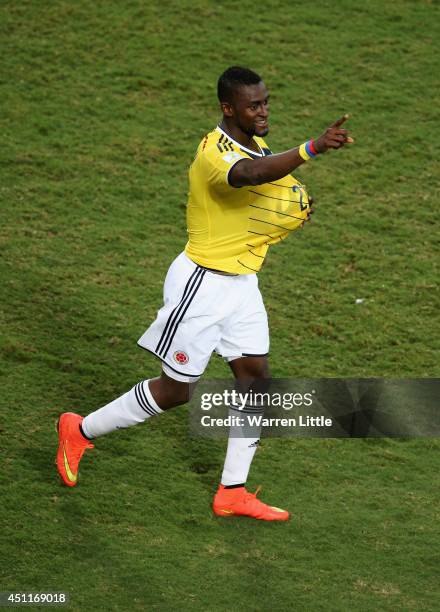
(254, 355)
(167, 364)
(184, 307)
(179, 311)
(170, 318)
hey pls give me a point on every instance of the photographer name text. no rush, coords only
(257, 420)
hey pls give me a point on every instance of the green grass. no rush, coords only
(102, 108)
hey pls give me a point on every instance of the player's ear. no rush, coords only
(226, 109)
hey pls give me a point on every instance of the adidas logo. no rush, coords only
(256, 443)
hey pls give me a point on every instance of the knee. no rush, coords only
(251, 368)
(251, 373)
(169, 393)
(261, 371)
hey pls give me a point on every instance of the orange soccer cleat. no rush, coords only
(239, 502)
(72, 445)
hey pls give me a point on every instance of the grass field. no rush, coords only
(103, 105)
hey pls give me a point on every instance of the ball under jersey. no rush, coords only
(231, 228)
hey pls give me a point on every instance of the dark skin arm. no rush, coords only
(274, 167)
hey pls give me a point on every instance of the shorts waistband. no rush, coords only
(217, 271)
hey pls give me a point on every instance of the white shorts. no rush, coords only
(205, 312)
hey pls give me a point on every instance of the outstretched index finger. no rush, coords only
(340, 121)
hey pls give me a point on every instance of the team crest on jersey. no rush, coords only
(181, 357)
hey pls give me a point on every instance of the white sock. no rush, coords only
(135, 406)
(238, 460)
(240, 452)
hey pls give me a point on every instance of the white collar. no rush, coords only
(240, 145)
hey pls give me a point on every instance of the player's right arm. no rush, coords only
(273, 167)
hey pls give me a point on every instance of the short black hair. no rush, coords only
(235, 77)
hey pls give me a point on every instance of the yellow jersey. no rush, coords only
(231, 228)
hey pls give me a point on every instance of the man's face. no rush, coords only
(250, 109)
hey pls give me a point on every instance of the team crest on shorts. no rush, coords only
(181, 357)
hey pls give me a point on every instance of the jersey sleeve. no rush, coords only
(217, 165)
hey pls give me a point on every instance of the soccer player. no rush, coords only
(242, 199)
